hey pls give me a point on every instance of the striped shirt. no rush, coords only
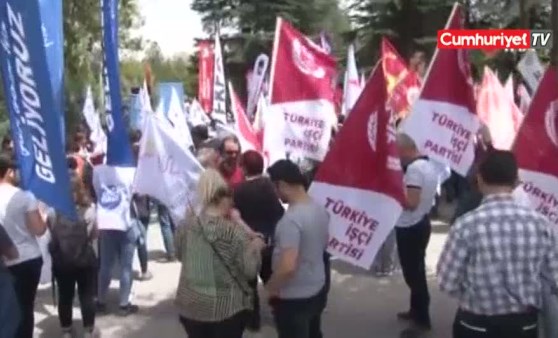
(207, 291)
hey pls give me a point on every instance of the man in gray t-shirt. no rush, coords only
(303, 228)
(297, 288)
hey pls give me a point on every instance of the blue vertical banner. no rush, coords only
(34, 119)
(165, 90)
(119, 151)
(53, 35)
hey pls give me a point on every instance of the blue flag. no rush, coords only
(53, 35)
(166, 92)
(119, 151)
(29, 96)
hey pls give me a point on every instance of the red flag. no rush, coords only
(301, 97)
(444, 122)
(536, 147)
(497, 110)
(404, 94)
(206, 62)
(363, 193)
(394, 66)
(246, 134)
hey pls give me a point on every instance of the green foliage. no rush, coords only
(177, 68)
(82, 52)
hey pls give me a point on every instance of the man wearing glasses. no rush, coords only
(229, 167)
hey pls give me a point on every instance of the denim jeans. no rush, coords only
(116, 245)
(26, 282)
(167, 229)
(143, 254)
(299, 318)
(10, 315)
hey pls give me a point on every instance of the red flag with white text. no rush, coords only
(536, 148)
(302, 110)
(246, 135)
(498, 111)
(443, 122)
(363, 193)
(206, 60)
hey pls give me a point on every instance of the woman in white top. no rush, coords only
(19, 213)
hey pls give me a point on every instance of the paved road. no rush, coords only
(360, 306)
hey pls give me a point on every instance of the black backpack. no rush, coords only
(70, 245)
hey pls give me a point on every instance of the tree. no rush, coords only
(253, 24)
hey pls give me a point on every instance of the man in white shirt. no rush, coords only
(413, 227)
(19, 214)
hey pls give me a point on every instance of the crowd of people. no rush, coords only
(252, 223)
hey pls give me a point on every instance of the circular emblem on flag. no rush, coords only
(550, 122)
(305, 61)
(110, 197)
(372, 130)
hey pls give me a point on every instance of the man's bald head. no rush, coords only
(407, 148)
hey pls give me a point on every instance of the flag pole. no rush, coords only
(554, 23)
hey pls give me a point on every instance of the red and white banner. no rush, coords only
(363, 194)
(246, 134)
(301, 97)
(206, 61)
(352, 87)
(497, 110)
(536, 148)
(443, 122)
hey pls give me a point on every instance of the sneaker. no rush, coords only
(127, 310)
(146, 276)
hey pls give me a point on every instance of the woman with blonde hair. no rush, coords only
(219, 257)
(74, 261)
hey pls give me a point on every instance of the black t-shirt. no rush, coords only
(259, 205)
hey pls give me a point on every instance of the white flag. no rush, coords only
(196, 115)
(531, 69)
(167, 171)
(98, 136)
(177, 117)
(219, 86)
(352, 87)
(254, 90)
(145, 102)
